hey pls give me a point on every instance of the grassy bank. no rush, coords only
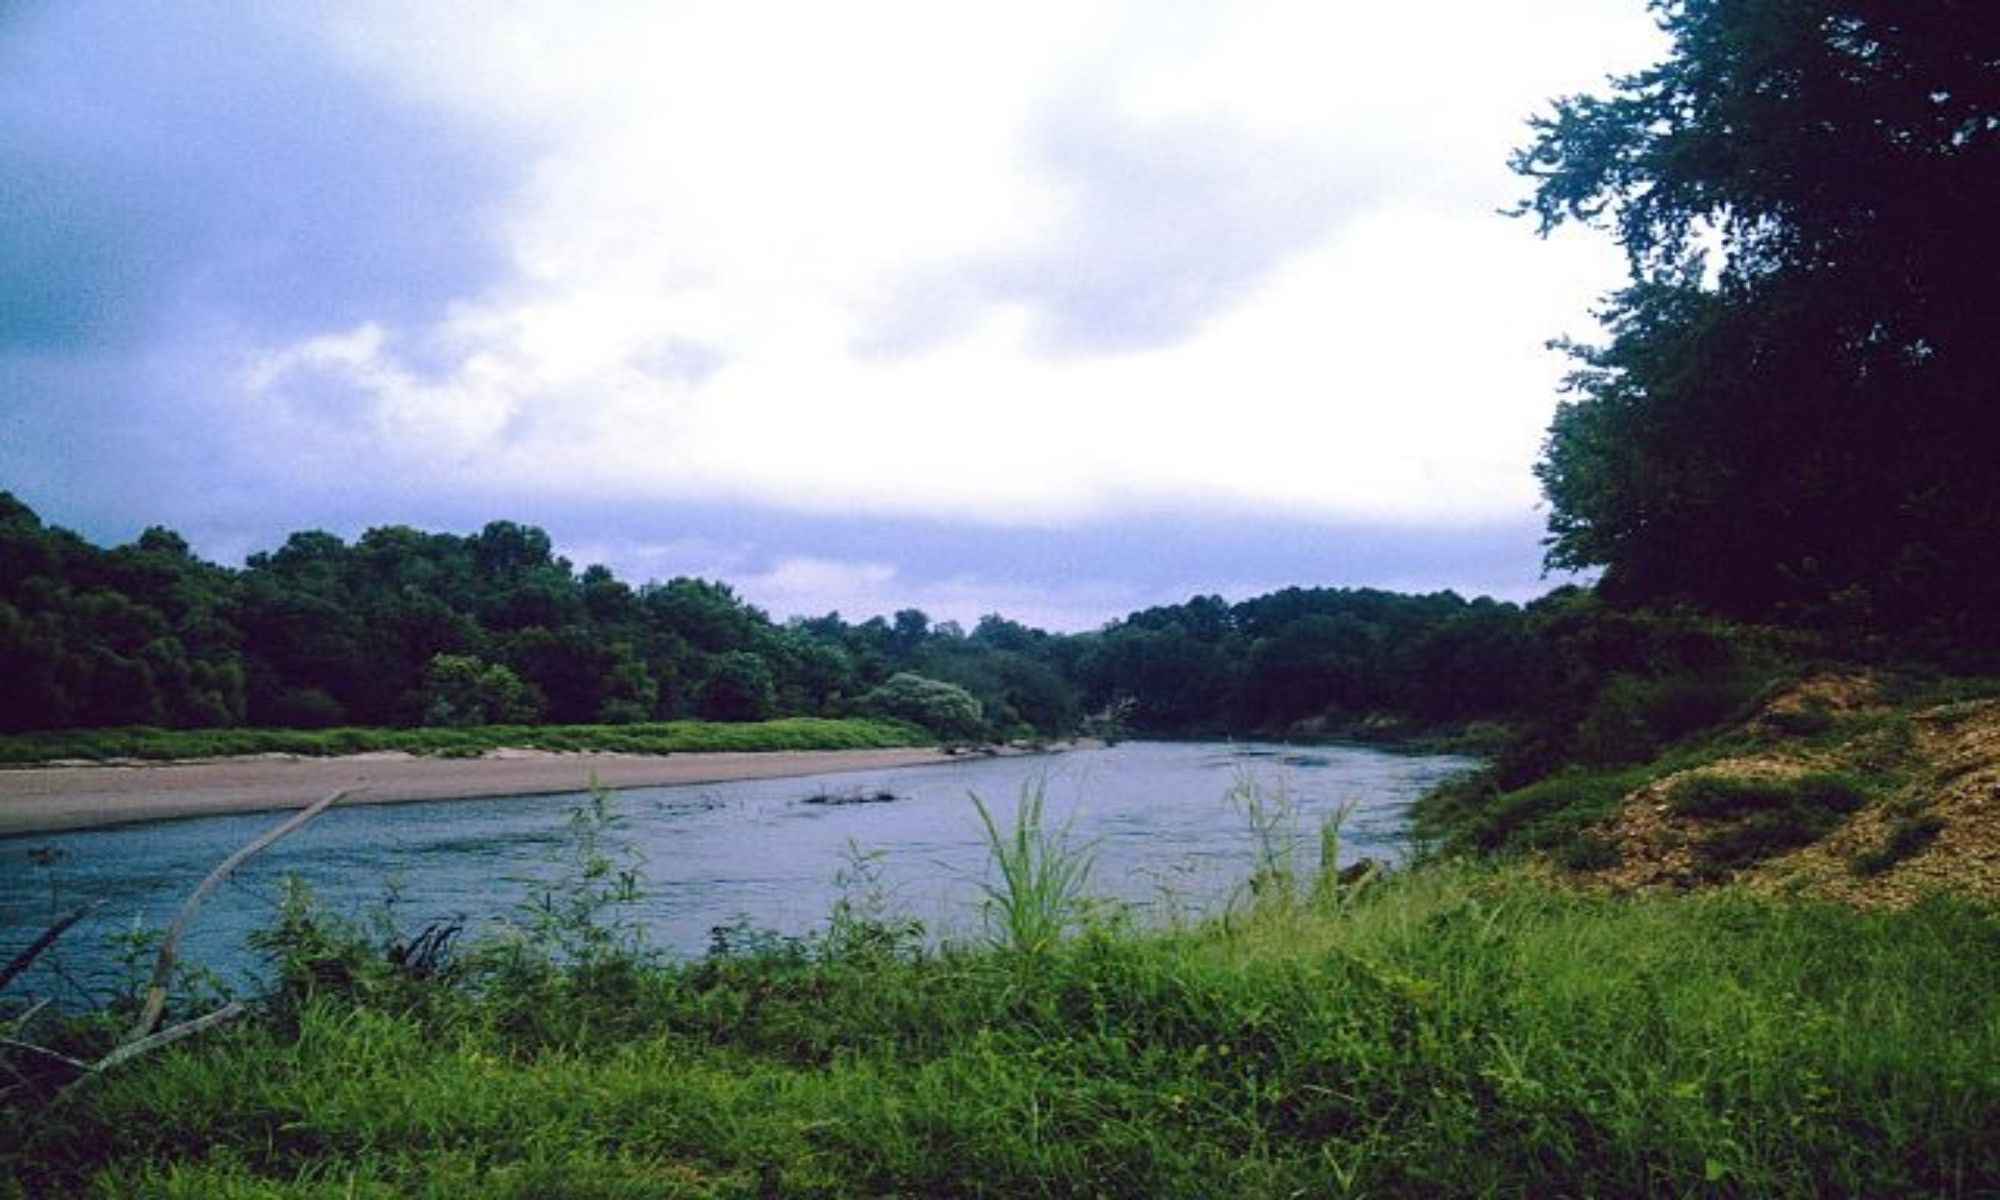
(1820, 784)
(1456, 1030)
(668, 737)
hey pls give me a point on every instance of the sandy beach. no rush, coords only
(47, 799)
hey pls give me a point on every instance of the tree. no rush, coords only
(943, 708)
(1802, 426)
(462, 690)
(739, 688)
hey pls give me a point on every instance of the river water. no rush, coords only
(757, 854)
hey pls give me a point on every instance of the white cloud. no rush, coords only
(750, 188)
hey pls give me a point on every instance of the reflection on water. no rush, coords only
(761, 851)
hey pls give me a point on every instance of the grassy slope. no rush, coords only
(1879, 798)
(790, 733)
(1453, 1031)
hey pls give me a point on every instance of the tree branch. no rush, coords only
(22, 960)
(163, 967)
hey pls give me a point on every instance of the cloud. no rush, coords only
(1085, 276)
(160, 157)
(1163, 224)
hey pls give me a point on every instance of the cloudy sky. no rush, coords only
(1057, 310)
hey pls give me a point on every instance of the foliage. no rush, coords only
(739, 688)
(1709, 795)
(946, 709)
(460, 690)
(1042, 877)
(1449, 1032)
(1907, 838)
(1795, 430)
(659, 737)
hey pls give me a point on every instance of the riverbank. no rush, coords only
(54, 798)
(1447, 1031)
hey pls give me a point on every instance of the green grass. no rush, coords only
(666, 737)
(1452, 1031)
(1042, 876)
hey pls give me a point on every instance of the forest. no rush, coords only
(408, 628)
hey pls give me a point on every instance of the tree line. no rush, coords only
(401, 628)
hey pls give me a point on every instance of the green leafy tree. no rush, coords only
(739, 688)
(945, 709)
(1801, 425)
(459, 689)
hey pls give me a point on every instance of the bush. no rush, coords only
(1590, 852)
(1632, 718)
(1763, 835)
(945, 709)
(1724, 796)
(1781, 814)
(1907, 838)
(306, 708)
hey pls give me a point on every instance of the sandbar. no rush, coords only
(48, 799)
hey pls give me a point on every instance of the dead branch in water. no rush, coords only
(26, 957)
(163, 966)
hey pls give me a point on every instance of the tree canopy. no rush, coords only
(404, 627)
(1793, 413)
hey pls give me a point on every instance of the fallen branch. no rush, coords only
(25, 958)
(163, 967)
(20, 1059)
(76, 1065)
(131, 1050)
(27, 1018)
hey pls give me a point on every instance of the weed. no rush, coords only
(1042, 876)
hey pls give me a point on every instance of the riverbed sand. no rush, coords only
(51, 798)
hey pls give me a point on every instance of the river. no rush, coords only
(756, 854)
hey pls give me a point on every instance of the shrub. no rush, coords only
(1590, 852)
(1781, 814)
(1724, 796)
(1763, 835)
(945, 709)
(1632, 717)
(1907, 838)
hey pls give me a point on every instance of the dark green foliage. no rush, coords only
(945, 709)
(1907, 838)
(404, 628)
(739, 688)
(1800, 434)
(1764, 834)
(1770, 816)
(1548, 814)
(1590, 852)
(655, 737)
(1728, 796)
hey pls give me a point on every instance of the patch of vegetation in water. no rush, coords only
(842, 799)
